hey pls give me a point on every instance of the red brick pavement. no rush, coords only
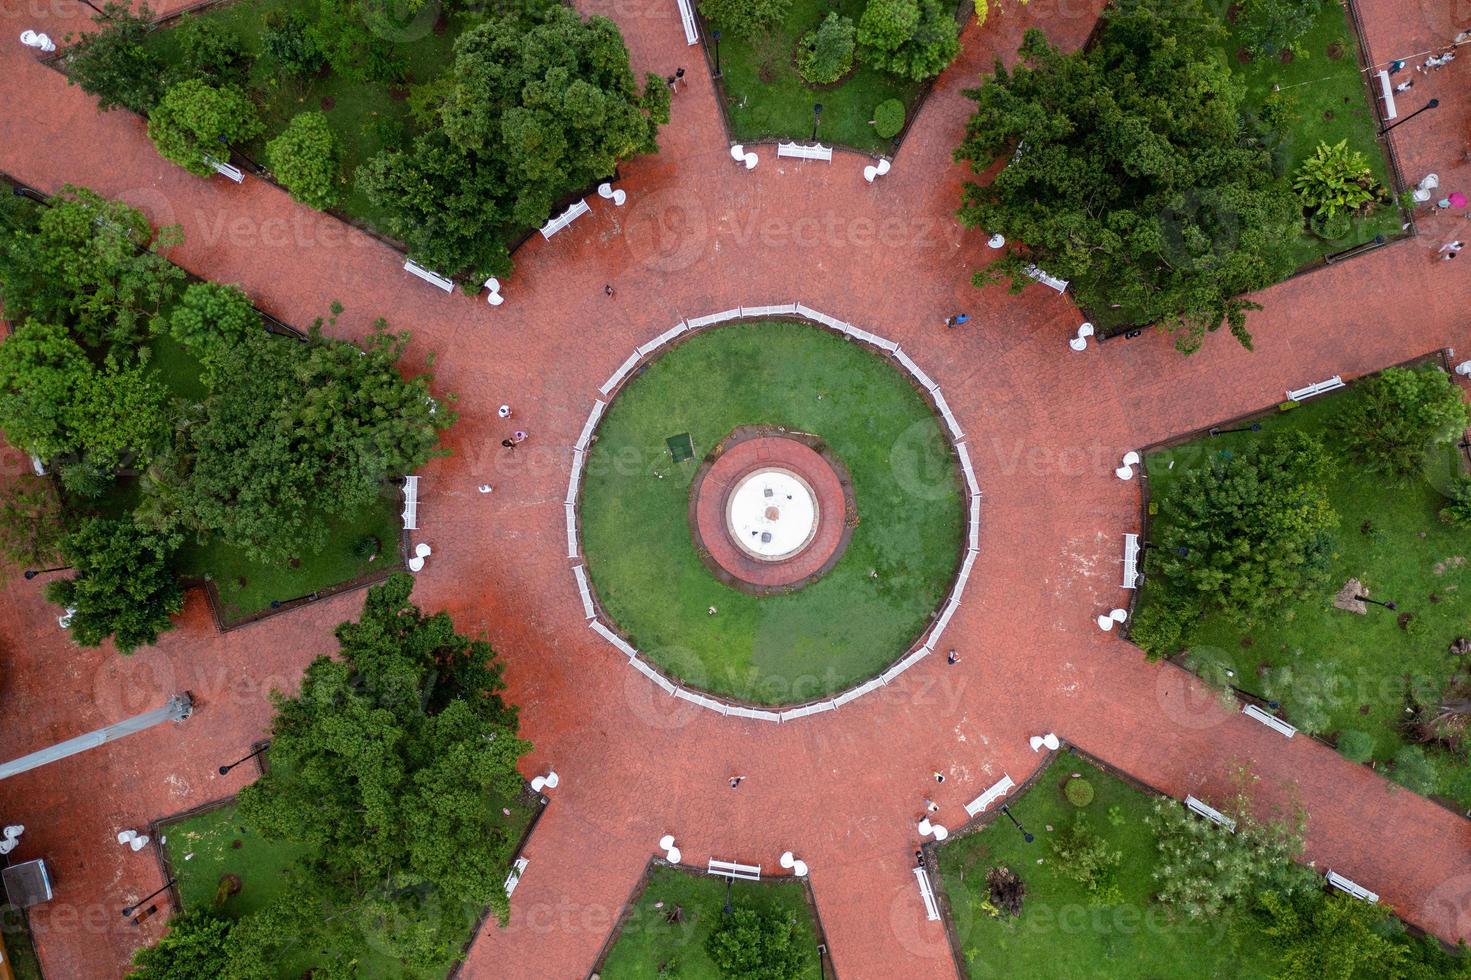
(1045, 427)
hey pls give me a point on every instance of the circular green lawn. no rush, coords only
(832, 634)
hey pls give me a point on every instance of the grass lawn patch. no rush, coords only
(650, 945)
(1390, 538)
(366, 116)
(859, 617)
(1061, 932)
(766, 98)
(204, 848)
(20, 949)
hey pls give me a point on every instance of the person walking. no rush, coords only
(939, 776)
(957, 319)
(1405, 86)
(679, 77)
(508, 444)
(736, 781)
(504, 411)
(608, 290)
(952, 657)
(518, 436)
(671, 82)
(931, 806)
(1451, 249)
(1396, 66)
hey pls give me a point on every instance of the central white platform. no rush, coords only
(771, 514)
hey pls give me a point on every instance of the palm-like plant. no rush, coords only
(1335, 180)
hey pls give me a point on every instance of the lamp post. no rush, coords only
(816, 115)
(225, 770)
(1026, 836)
(1386, 605)
(1429, 105)
(728, 883)
(715, 36)
(31, 573)
(95, 7)
(128, 910)
(1254, 427)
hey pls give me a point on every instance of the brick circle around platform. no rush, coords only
(748, 450)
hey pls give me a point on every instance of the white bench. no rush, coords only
(1358, 891)
(1050, 281)
(225, 170)
(411, 503)
(687, 18)
(990, 796)
(804, 152)
(1269, 719)
(1318, 388)
(926, 892)
(564, 219)
(730, 869)
(1386, 89)
(432, 278)
(1131, 561)
(514, 878)
(1210, 813)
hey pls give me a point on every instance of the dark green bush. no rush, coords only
(307, 159)
(1158, 625)
(210, 51)
(1458, 503)
(888, 118)
(291, 47)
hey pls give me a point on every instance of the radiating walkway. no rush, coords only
(1046, 427)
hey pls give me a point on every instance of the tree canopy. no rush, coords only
(914, 39)
(531, 110)
(93, 266)
(122, 584)
(1397, 416)
(756, 944)
(1134, 173)
(112, 62)
(195, 123)
(390, 763)
(1250, 529)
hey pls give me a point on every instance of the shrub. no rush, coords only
(1413, 770)
(825, 54)
(210, 51)
(350, 45)
(1079, 792)
(1158, 625)
(1308, 691)
(745, 18)
(1356, 746)
(982, 11)
(291, 47)
(914, 39)
(1006, 890)
(196, 121)
(211, 317)
(1331, 227)
(366, 546)
(1268, 26)
(112, 64)
(1335, 180)
(1400, 414)
(1458, 506)
(750, 943)
(888, 118)
(1085, 857)
(307, 159)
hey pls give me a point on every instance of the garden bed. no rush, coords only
(202, 847)
(765, 98)
(1361, 667)
(646, 943)
(1326, 100)
(1064, 930)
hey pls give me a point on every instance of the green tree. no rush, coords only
(92, 265)
(756, 944)
(195, 122)
(1332, 937)
(526, 114)
(211, 52)
(307, 159)
(1398, 416)
(1458, 500)
(196, 945)
(122, 416)
(390, 764)
(289, 46)
(1269, 26)
(745, 18)
(1355, 745)
(211, 317)
(122, 585)
(31, 522)
(1083, 855)
(914, 39)
(1248, 530)
(41, 371)
(1308, 691)
(112, 63)
(1133, 173)
(293, 433)
(1205, 870)
(344, 33)
(1413, 770)
(824, 55)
